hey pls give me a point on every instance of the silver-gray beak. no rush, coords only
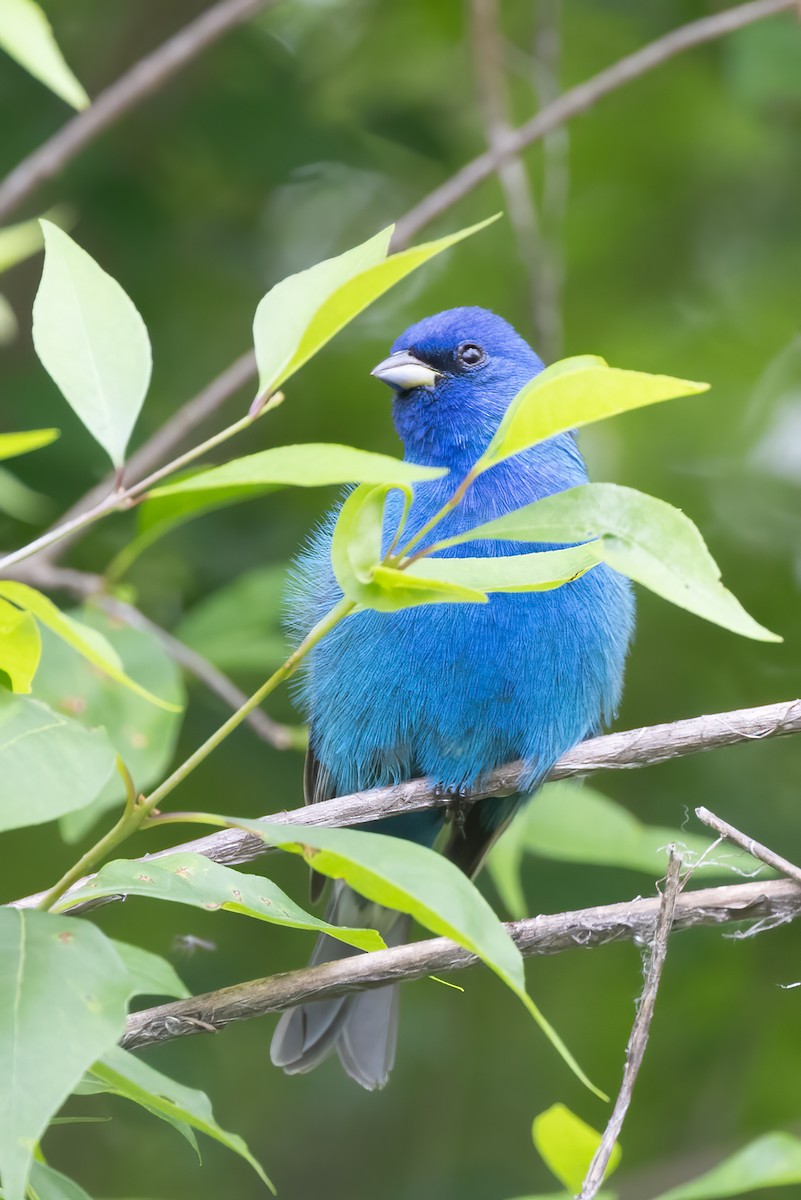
(403, 371)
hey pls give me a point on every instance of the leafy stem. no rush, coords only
(139, 809)
(403, 557)
(121, 497)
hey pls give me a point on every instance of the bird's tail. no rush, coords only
(362, 1027)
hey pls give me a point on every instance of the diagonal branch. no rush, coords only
(51, 577)
(555, 114)
(774, 903)
(144, 78)
(638, 1041)
(614, 752)
(578, 100)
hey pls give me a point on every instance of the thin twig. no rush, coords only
(577, 100)
(282, 737)
(613, 752)
(488, 53)
(548, 119)
(165, 441)
(779, 901)
(144, 78)
(50, 577)
(638, 1041)
(555, 183)
(763, 853)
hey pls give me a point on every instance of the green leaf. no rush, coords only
(14, 444)
(144, 736)
(63, 997)
(21, 502)
(567, 1145)
(315, 464)
(575, 392)
(90, 1085)
(413, 879)
(642, 537)
(26, 35)
(18, 242)
(538, 572)
(49, 764)
(138, 1081)
(292, 310)
(88, 642)
(299, 315)
(49, 1184)
(20, 647)
(151, 975)
(773, 1160)
(91, 341)
(9, 325)
(356, 556)
(569, 822)
(238, 627)
(192, 879)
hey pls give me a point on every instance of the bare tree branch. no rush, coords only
(488, 53)
(548, 119)
(775, 902)
(749, 844)
(144, 78)
(50, 577)
(613, 752)
(577, 100)
(638, 1041)
(282, 737)
(157, 449)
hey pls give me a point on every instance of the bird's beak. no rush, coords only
(403, 371)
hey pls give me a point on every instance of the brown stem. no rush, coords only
(626, 750)
(776, 901)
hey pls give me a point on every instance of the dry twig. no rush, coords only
(756, 849)
(144, 78)
(638, 1041)
(778, 900)
(613, 752)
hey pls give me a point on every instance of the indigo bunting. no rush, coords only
(447, 691)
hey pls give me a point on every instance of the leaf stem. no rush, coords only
(139, 810)
(447, 508)
(121, 497)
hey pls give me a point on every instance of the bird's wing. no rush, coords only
(316, 786)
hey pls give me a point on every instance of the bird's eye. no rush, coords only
(470, 354)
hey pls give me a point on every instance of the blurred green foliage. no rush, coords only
(294, 138)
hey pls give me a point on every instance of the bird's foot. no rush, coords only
(459, 804)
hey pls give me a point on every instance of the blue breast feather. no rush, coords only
(450, 691)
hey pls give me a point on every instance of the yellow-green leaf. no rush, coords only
(14, 444)
(575, 392)
(567, 1145)
(642, 537)
(188, 878)
(20, 646)
(92, 342)
(88, 642)
(26, 35)
(537, 572)
(413, 879)
(299, 315)
(356, 559)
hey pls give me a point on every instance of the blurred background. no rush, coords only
(666, 237)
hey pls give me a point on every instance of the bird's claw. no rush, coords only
(459, 803)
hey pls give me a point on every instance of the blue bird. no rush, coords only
(447, 691)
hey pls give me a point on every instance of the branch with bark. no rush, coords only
(144, 78)
(758, 904)
(629, 749)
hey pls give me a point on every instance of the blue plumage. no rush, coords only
(450, 691)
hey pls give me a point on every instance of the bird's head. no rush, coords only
(454, 375)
